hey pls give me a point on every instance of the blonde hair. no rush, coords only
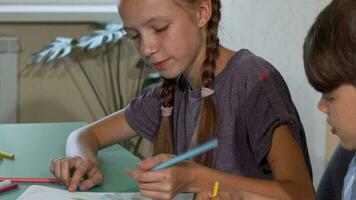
(206, 128)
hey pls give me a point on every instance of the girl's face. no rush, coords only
(340, 107)
(168, 34)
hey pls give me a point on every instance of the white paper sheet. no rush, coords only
(37, 192)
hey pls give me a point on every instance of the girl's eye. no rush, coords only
(161, 29)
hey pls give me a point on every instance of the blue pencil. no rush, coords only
(189, 154)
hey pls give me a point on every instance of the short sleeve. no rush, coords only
(268, 105)
(143, 113)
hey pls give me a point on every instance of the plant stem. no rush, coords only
(140, 79)
(119, 93)
(92, 87)
(112, 85)
(80, 90)
(137, 145)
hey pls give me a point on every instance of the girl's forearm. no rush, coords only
(82, 143)
(204, 179)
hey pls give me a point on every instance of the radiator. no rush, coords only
(9, 49)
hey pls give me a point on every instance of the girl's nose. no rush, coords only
(323, 106)
(148, 47)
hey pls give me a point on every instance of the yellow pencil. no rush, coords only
(215, 189)
(7, 155)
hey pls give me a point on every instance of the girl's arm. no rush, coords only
(231, 195)
(85, 142)
(291, 177)
(81, 167)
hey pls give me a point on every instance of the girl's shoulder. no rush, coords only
(245, 64)
(249, 76)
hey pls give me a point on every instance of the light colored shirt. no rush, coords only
(349, 189)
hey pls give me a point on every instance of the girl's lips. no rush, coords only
(160, 65)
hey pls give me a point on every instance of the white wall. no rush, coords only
(8, 79)
(275, 30)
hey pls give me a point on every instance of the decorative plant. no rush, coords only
(104, 42)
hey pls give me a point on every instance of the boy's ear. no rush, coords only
(204, 11)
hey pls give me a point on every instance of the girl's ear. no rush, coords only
(204, 11)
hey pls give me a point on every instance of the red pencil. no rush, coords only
(32, 180)
(10, 187)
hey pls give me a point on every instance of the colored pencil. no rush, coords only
(5, 183)
(7, 155)
(189, 154)
(215, 189)
(32, 180)
(9, 187)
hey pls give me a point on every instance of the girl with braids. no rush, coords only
(207, 92)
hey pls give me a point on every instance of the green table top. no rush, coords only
(34, 145)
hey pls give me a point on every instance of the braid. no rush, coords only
(208, 116)
(167, 92)
(212, 46)
(163, 142)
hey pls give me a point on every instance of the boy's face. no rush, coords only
(340, 108)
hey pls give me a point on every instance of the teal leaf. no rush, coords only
(114, 25)
(118, 35)
(112, 33)
(96, 42)
(65, 52)
(52, 55)
(84, 42)
(59, 47)
(90, 41)
(153, 75)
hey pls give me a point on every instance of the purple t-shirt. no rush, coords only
(251, 100)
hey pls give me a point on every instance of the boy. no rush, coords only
(330, 65)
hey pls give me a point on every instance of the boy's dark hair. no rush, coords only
(330, 47)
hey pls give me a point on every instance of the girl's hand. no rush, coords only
(76, 171)
(165, 183)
